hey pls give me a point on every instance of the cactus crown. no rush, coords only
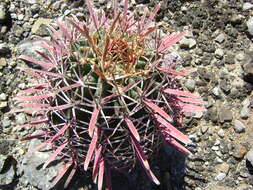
(107, 93)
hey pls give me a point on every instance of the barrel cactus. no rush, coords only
(106, 93)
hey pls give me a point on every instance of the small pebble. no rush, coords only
(20, 118)
(216, 92)
(3, 96)
(220, 38)
(221, 133)
(244, 113)
(239, 127)
(215, 148)
(190, 85)
(204, 129)
(220, 176)
(219, 53)
(187, 43)
(3, 104)
(225, 115)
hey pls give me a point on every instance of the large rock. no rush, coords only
(32, 167)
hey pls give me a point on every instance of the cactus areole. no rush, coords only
(106, 93)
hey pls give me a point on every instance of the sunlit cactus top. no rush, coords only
(107, 94)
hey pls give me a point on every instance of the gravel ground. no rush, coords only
(218, 43)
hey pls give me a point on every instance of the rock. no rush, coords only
(7, 170)
(246, 102)
(190, 85)
(38, 23)
(239, 127)
(244, 113)
(239, 151)
(249, 156)
(3, 29)
(4, 48)
(219, 53)
(20, 118)
(220, 38)
(221, 133)
(3, 104)
(246, 6)
(32, 168)
(225, 86)
(187, 43)
(5, 146)
(204, 129)
(3, 13)
(2, 62)
(32, 1)
(2, 162)
(250, 25)
(3, 96)
(6, 123)
(216, 92)
(220, 176)
(29, 48)
(225, 115)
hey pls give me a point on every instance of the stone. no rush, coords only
(29, 48)
(190, 85)
(249, 156)
(216, 92)
(219, 53)
(204, 129)
(20, 118)
(3, 158)
(3, 96)
(225, 115)
(32, 167)
(32, 1)
(6, 123)
(4, 48)
(3, 104)
(3, 13)
(239, 127)
(187, 43)
(250, 26)
(246, 102)
(2, 63)
(3, 29)
(244, 113)
(220, 176)
(8, 173)
(220, 38)
(21, 16)
(246, 6)
(221, 133)
(5, 146)
(38, 23)
(239, 151)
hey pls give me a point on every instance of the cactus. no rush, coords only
(107, 93)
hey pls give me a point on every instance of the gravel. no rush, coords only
(218, 43)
